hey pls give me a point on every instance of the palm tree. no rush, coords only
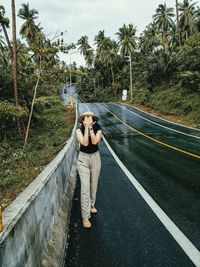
(127, 43)
(83, 43)
(99, 40)
(163, 21)
(187, 18)
(86, 50)
(127, 39)
(150, 39)
(177, 23)
(4, 22)
(174, 38)
(2, 44)
(29, 29)
(5, 58)
(14, 54)
(110, 59)
(106, 54)
(198, 19)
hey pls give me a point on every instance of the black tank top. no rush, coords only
(91, 148)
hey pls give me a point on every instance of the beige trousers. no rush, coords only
(89, 166)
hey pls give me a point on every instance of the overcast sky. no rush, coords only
(88, 17)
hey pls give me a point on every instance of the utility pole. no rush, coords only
(129, 59)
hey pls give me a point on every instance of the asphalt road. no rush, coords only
(125, 231)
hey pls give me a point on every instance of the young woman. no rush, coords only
(89, 163)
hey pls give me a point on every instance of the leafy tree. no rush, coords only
(163, 21)
(29, 29)
(187, 19)
(197, 19)
(4, 22)
(149, 40)
(189, 64)
(127, 39)
(178, 35)
(127, 43)
(2, 43)
(107, 54)
(86, 50)
(99, 40)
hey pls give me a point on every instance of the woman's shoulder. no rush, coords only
(97, 126)
(80, 128)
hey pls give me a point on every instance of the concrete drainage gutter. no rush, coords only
(35, 224)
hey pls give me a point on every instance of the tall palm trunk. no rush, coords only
(7, 38)
(165, 41)
(177, 24)
(14, 53)
(113, 82)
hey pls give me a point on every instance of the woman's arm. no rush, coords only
(83, 139)
(95, 138)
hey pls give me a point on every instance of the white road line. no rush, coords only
(85, 105)
(192, 252)
(171, 129)
(187, 127)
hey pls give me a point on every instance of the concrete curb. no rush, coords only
(29, 219)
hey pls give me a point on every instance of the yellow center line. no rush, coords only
(155, 140)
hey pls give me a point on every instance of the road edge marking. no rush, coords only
(192, 252)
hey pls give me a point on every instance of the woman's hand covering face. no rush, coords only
(88, 121)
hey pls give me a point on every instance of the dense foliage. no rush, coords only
(165, 56)
(39, 72)
(34, 123)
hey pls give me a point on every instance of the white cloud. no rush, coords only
(87, 17)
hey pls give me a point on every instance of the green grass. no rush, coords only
(50, 130)
(171, 101)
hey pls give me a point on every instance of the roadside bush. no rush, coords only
(103, 94)
(175, 101)
(168, 101)
(8, 116)
(141, 96)
(44, 102)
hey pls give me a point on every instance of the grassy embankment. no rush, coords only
(48, 135)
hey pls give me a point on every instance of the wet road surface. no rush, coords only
(175, 126)
(185, 139)
(125, 231)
